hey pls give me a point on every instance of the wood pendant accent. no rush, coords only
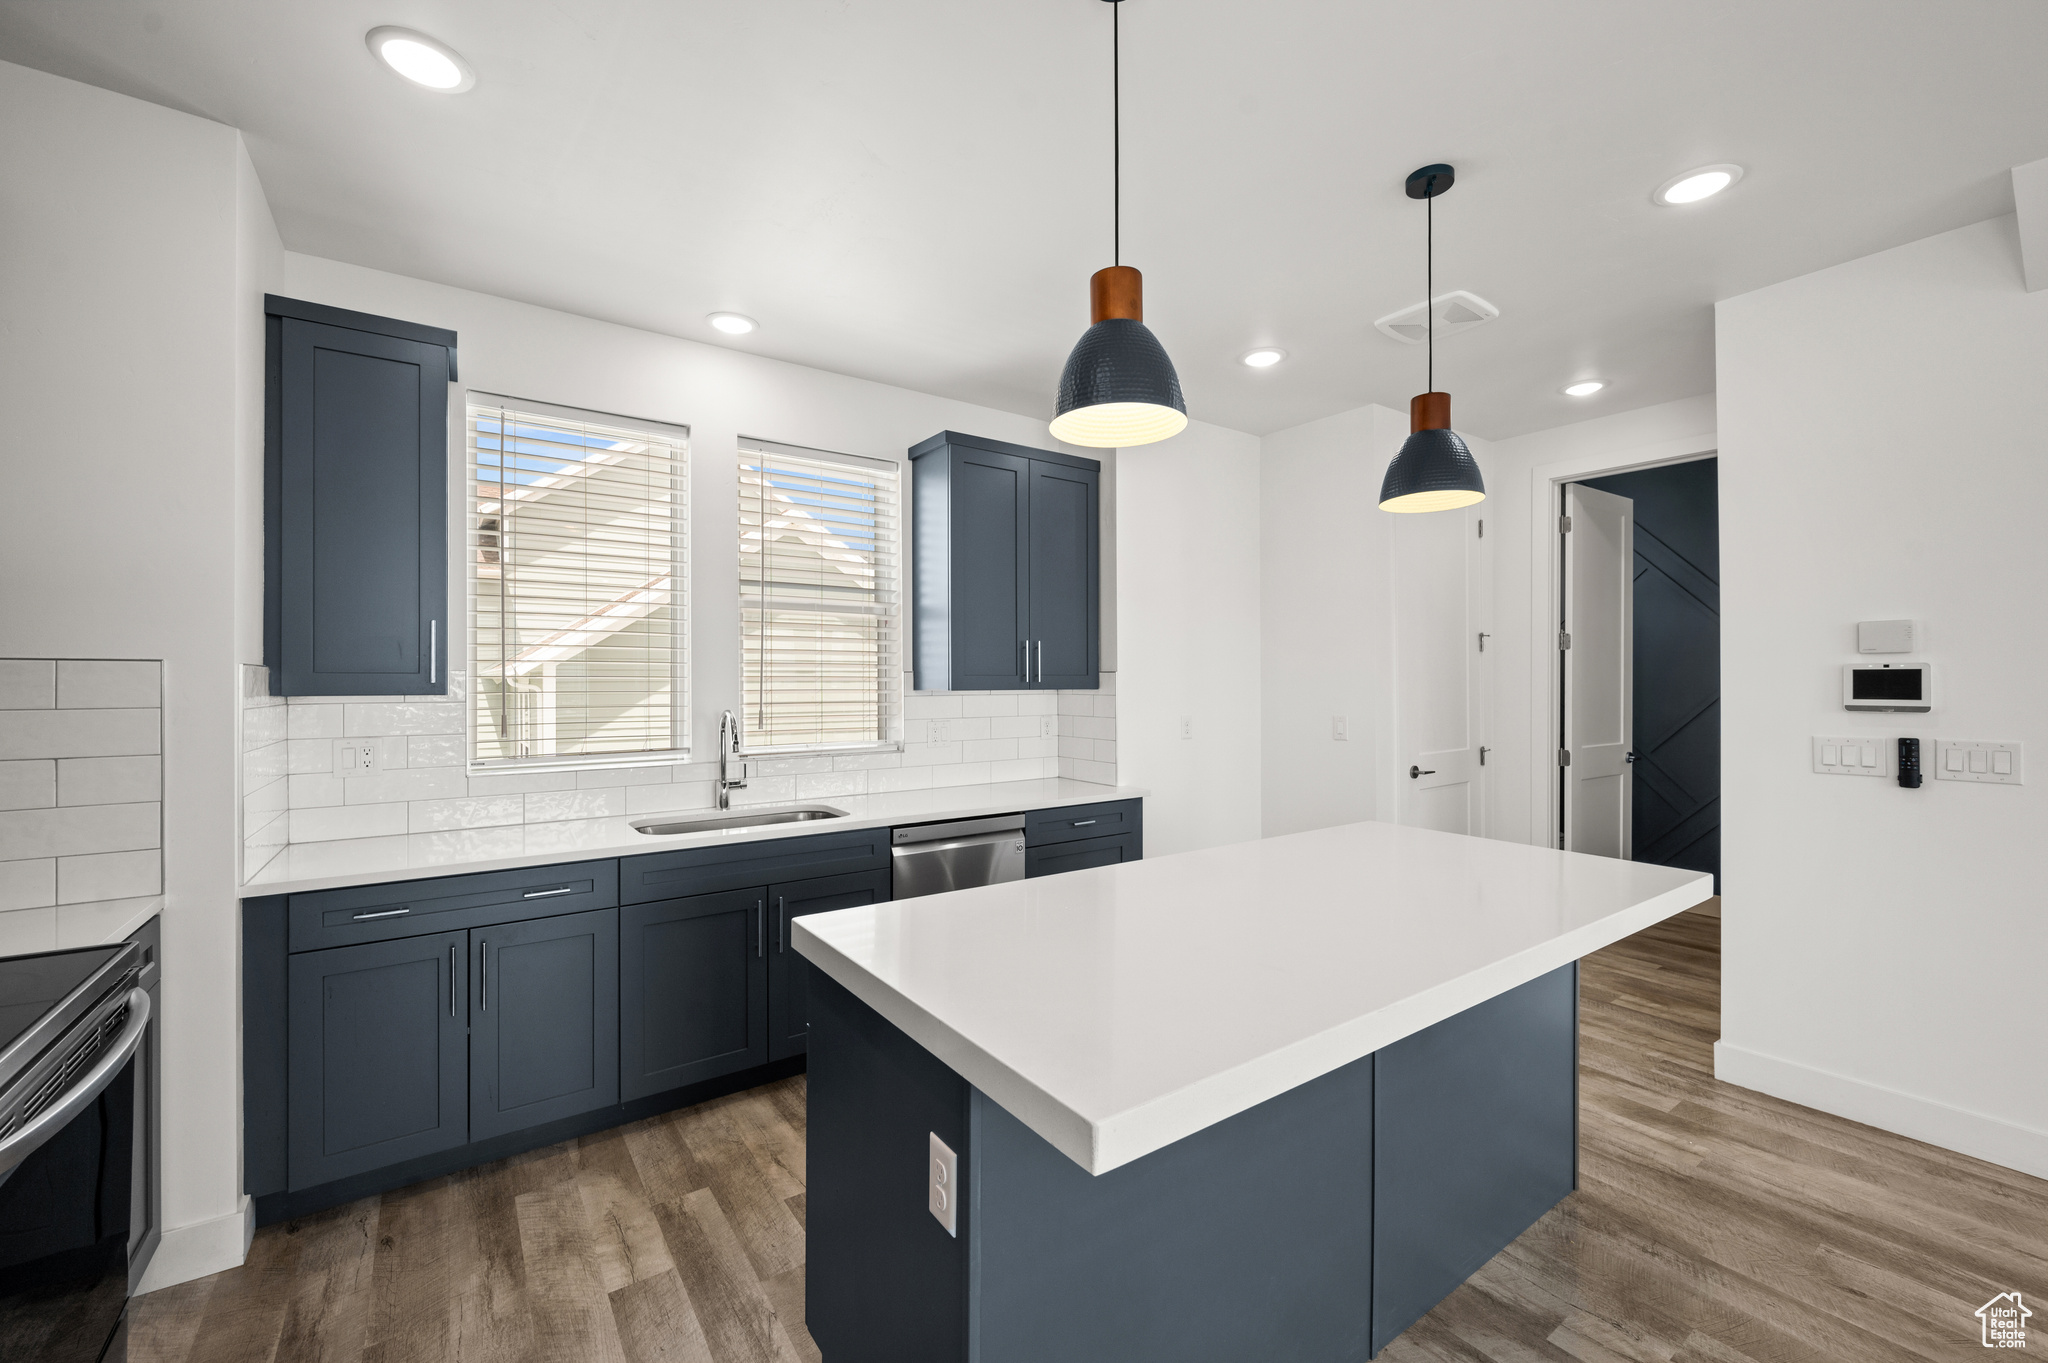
(1118, 291)
(1429, 412)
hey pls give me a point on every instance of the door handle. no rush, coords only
(760, 929)
(1630, 759)
(484, 984)
(451, 980)
(1415, 773)
(781, 906)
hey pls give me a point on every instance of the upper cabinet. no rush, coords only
(355, 502)
(1005, 566)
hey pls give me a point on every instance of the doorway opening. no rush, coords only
(1639, 666)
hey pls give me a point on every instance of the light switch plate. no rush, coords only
(937, 731)
(942, 1190)
(1340, 729)
(358, 756)
(1958, 759)
(1843, 755)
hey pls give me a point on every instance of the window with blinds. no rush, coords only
(821, 665)
(579, 562)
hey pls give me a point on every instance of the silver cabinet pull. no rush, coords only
(1082, 823)
(451, 980)
(1039, 649)
(548, 894)
(760, 929)
(484, 984)
(433, 651)
(781, 912)
(381, 913)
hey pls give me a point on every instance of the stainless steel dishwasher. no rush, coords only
(932, 858)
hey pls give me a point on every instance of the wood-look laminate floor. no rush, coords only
(1712, 1225)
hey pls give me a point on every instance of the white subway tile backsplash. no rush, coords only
(1024, 769)
(28, 683)
(431, 816)
(1087, 726)
(28, 884)
(109, 780)
(1105, 707)
(829, 784)
(606, 778)
(316, 790)
(109, 875)
(810, 764)
(267, 763)
(93, 685)
(79, 733)
(930, 754)
(428, 783)
(306, 720)
(436, 750)
(508, 840)
(866, 761)
(413, 717)
(899, 778)
(262, 801)
(1077, 703)
(761, 790)
(85, 925)
(88, 828)
(26, 930)
(1038, 703)
(967, 729)
(1015, 726)
(28, 785)
(1103, 773)
(989, 750)
(988, 703)
(925, 705)
(666, 799)
(310, 756)
(553, 805)
(961, 774)
(265, 724)
(522, 783)
(346, 821)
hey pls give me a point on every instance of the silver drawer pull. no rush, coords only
(1082, 823)
(544, 894)
(382, 913)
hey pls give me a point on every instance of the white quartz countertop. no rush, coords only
(368, 861)
(1117, 1010)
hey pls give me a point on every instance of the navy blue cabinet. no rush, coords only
(789, 975)
(378, 1055)
(1005, 566)
(544, 1036)
(693, 996)
(355, 502)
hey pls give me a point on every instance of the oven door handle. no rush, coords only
(58, 1115)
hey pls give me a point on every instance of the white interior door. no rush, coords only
(1599, 670)
(1438, 693)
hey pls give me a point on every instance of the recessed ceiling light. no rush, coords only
(1695, 185)
(420, 59)
(1584, 390)
(1264, 358)
(732, 323)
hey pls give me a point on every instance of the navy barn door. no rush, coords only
(1677, 663)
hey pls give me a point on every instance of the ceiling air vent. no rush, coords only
(1456, 311)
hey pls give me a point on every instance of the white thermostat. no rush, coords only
(1888, 686)
(1885, 636)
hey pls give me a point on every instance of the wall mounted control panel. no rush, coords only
(1886, 636)
(1970, 760)
(1859, 755)
(1907, 687)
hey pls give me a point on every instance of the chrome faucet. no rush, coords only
(729, 748)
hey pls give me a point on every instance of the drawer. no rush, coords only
(1076, 822)
(410, 908)
(1054, 858)
(708, 870)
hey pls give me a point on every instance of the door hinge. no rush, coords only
(1564, 525)
(1564, 641)
(1564, 757)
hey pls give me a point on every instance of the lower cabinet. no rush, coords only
(693, 990)
(543, 1039)
(1053, 858)
(788, 973)
(379, 1055)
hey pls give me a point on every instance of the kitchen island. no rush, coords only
(1272, 1100)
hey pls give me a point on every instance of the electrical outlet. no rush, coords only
(937, 731)
(1187, 726)
(358, 756)
(1340, 729)
(1046, 726)
(942, 1191)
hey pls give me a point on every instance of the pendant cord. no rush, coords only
(1429, 280)
(1116, 135)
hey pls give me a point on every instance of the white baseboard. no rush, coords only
(202, 1248)
(1923, 1119)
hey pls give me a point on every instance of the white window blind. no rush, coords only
(579, 561)
(821, 664)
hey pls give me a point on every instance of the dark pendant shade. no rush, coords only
(1435, 470)
(1119, 388)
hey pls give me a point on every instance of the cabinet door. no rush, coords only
(358, 513)
(693, 993)
(1063, 576)
(379, 1045)
(990, 524)
(1060, 857)
(788, 973)
(544, 1020)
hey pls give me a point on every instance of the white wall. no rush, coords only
(1188, 574)
(123, 353)
(1884, 453)
(1518, 507)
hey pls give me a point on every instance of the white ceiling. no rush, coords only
(916, 191)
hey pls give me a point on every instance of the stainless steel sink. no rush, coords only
(714, 822)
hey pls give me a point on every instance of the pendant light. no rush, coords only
(1118, 388)
(1435, 470)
